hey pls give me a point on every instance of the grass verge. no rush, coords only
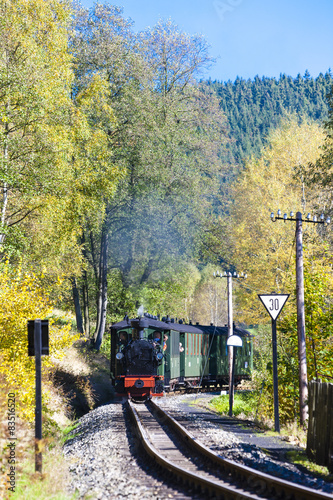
(245, 403)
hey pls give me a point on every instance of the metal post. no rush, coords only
(231, 349)
(275, 379)
(231, 392)
(38, 409)
(303, 379)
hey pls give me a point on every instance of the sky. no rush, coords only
(248, 37)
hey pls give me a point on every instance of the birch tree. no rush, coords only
(35, 78)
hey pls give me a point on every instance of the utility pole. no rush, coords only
(302, 372)
(302, 364)
(230, 332)
(229, 277)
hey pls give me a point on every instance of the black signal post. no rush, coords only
(303, 379)
(38, 344)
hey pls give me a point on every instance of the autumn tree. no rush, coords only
(23, 298)
(100, 46)
(96, 177)
(167, 140)
(35, 79)
(174, 163)
(265, 250)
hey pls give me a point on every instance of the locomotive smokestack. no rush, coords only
(139, 325)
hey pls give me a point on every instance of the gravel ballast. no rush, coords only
(105, 461)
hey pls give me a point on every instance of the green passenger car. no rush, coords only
(193, 356)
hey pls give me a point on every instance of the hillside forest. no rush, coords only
(126, 180)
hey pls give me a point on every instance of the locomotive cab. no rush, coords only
(138, 360)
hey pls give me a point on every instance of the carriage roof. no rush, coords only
(181, 327)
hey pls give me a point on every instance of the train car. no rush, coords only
(149, 356)
(184, 355)
(218, 355)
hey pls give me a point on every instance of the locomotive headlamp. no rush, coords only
(159, 356)
(119, 356)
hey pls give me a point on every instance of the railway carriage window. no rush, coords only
(165, 338)
(198, 345)
(187, 344)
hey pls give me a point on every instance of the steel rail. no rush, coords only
(242, 472)
(224, 491)
(247, 478)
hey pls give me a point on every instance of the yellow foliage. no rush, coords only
(23, 299)
(265, 250)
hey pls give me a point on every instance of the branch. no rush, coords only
(24, 216)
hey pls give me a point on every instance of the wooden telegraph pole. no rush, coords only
(302, 366)
(230, 349)
(302, 372)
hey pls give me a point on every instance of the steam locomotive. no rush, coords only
(149, 356)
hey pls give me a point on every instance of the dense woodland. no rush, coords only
(125, 180)
(255, 107)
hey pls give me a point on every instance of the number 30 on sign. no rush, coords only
(274, 303)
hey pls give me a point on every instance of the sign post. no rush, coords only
(233, 342)
(274, 304)
(38, 344)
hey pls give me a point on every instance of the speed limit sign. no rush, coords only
(274, 303)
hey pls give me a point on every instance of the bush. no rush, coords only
(22, 299)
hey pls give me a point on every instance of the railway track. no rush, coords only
(176, 451)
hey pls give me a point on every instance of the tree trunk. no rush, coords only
(85, 288)
(4, 189)
(96, 267)
(85, 296)
(102, 291)
(147, 271)
(78, 313)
